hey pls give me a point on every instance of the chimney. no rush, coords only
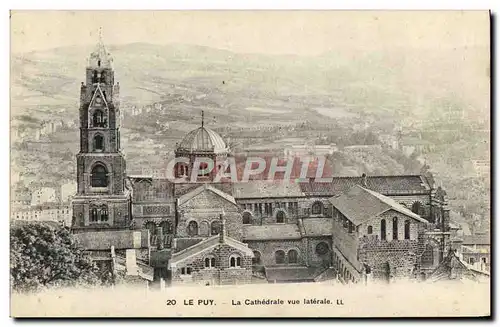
(222, 234)
(131, 263)
(364, 180)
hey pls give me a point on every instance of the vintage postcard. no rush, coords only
(250, 164)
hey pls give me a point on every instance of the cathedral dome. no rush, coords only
(203, 139)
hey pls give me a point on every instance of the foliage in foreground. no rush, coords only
(44, 256)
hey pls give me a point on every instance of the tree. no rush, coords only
(42, 255)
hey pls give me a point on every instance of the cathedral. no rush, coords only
(213, 232)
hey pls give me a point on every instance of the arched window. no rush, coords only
(203, 171)
(407, 229)
(382, 230)
(210, 262)
(94, 215)
(395, 228)
(204, 228)
(317, 208)
(370, 230)
(279, 257)
(99, 142)
(235, 261)
(166, 227)
(192, 228)
(256, 258)
(215, 227)
(247, 218)
(98, 119)
(94, 76)
(280, 217)
(99, 176)
(104, 213)
(322, 248)
(293, 256)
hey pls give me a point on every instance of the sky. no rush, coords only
(265, 32)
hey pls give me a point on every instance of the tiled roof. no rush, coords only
(383, 184)
(271, 232)
(360, 204)
(283, 274)
(207, 245)
(205, 187)
(317, 226)
(478, 239)
(266, 189)
(128, 239)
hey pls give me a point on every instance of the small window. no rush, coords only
(210, 262)
(247, 217)
(280, 217)
(215, 227)
(98, 143)
(192, 228)
(407, 229)
(186, 271)
(203, 171)
(395, 228)
(382, 230)
(471, 261)
(370, 230)
(279, 257)
(317, 208)
(293, 256)
(235, 261)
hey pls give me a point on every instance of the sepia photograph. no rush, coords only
(250, 163)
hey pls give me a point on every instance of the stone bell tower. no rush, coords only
(101, 201)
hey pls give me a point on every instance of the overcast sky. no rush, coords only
(271, 32)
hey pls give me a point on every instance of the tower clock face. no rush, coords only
(98, 100)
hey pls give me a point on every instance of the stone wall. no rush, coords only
(267, 250)
(204, 209)
(221, 274)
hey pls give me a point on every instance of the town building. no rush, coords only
(227, 232)
(61, 213)
(43, 195)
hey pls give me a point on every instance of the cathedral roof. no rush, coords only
(203, 139)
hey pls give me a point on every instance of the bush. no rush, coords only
(44, 256)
